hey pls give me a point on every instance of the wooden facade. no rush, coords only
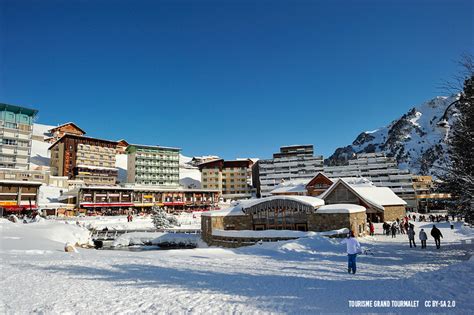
(318, 184)
(64, 156)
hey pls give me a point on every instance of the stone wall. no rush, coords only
(209, 224)
(320, 222)
(391, 213)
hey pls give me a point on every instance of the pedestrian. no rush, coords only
(394, 229)
(411, 235)
(414, 218)
(353, 248)
(437, 235)
(423, 238)
(371, 228)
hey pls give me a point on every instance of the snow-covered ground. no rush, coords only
(186, 221)
(303, 276)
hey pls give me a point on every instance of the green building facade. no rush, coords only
(153, 165)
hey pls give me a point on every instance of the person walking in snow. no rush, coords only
(352, 248)
(371, 228)
(423, 237)
(394, 229)
(411, 235)
(437, 235)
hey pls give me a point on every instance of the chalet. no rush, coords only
(382, 203)
(67, 128)
(304, 187)
(122, 145)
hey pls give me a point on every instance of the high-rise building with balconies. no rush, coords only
(232, 178)
(83, 158)
(381, 170)
(292, 162)
(153, 165)
(16, 127)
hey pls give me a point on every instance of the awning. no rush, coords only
(105, 205)
(175, 203)
(19, 208)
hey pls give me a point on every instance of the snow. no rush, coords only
(189, 176)
(155, 238)
(274, 233)
(340, 208)
(262, 234)
(307, 200)
(49, 194)
(292, 186)
(121, 165)
(382, 196)
(302, 276)
(185, 220)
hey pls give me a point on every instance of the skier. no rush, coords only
(353, 248)
(423, 238)
(394, 229)
(436, 233)
(411, 235)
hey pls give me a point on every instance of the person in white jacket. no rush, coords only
(353, 248)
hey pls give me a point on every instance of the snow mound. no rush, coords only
(41, 235)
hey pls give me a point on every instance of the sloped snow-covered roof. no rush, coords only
(238, 208)
(383, 196)
(307, 200)
(340, 208)
(295, 186)
(376, 196)
(233, 210)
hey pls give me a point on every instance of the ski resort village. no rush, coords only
(236, 157)
(112, 226)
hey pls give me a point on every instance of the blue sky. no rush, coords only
(232, 78)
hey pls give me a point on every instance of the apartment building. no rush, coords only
(381, 170)
(153, 165)
(233, 178)
(84, 158)
(16, 128)
(291, 163)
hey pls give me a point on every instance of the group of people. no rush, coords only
(432, 218)
(435, 233)
(396, 227)
(399, 226)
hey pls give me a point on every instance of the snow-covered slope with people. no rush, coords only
(418, 139)
(303, 276)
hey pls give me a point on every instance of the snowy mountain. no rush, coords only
(189, 175)
(417, 140)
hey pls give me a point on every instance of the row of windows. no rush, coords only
(24, 144)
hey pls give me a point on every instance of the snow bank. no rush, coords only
(40, 235)
(156, 238)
